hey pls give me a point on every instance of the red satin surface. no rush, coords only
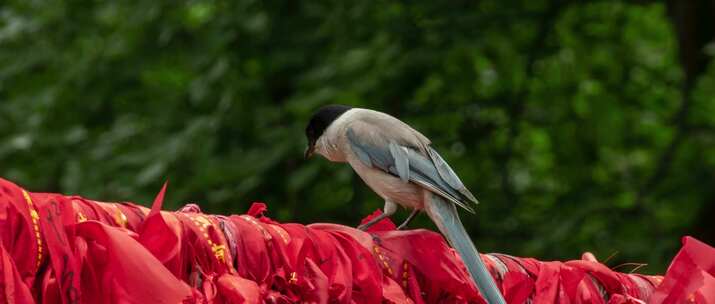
(67, 249)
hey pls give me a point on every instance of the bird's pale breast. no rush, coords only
(388, 186)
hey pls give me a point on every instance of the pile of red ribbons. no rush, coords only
(68, 249)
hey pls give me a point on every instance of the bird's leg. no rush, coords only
(409, 219)
(389, 209)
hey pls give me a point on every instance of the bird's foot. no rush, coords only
(409, 219)
(373, 221)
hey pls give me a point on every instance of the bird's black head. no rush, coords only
(320, 121)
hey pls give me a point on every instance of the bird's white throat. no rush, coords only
(328, 144)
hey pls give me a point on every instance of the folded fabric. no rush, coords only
(68, 249)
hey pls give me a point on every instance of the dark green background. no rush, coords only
(576, 124)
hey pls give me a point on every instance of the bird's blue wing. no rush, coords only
(401, 160)
(448, 175)
(410, 165)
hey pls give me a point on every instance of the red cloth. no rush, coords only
(690, 277)
(67, 249)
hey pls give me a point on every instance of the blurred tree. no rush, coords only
(572, 122)
(694, 22)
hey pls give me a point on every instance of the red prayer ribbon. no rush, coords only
(68, 249)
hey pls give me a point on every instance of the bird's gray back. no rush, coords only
(381, 128)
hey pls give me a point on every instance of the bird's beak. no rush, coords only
(309, 150)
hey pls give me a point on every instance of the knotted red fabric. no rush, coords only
(68, 249)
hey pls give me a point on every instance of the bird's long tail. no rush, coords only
(444, 215)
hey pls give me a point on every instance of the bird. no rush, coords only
(400, 165)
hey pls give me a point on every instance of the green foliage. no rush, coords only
(556, 116)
